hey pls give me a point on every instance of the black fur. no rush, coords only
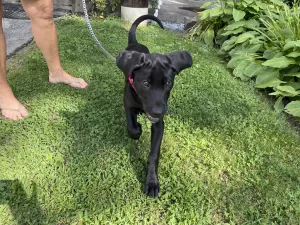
(153, 78)
(290, 3)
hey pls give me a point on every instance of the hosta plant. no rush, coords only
(261, 40)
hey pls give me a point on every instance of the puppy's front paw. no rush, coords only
(152, 187)
(135, 133)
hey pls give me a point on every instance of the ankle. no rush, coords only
(4, 86)
(5, 90)
(56, 73)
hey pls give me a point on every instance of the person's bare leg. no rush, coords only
(10, 107)
(40, 13)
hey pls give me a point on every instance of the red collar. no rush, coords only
(130, 79)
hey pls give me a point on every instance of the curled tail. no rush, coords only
(132, 31)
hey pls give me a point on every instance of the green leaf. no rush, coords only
(243, 37)
(255, 7)
(248, 1)
(278, 106)
(290, 69)
(204, 14)
(236, 31)
(238, 14)
(292, 75)
(253, 32)
(227, 45)
(293, 54)
(252, 11)
(220, 39)
(253, 48)
(235, 51)
(279, 62)
(244, 78)
(234, 61)
(295, 85)
(278, 54)
(286, 91)
(269, 53)
(237, 57)
(253, 69)
(287, 32)
(228, 11)
(239, 70)
(209, 35)
(281, 93)
(278, 2)
(206, 4)
(215, 12)
(257, 40)
(252, 23)
(291, 44)
(261, 5)
(293, 108)
(268, 78)
(235, 25)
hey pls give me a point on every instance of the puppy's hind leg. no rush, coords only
(134, 129)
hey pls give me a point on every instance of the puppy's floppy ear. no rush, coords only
(180, 60)
(129, 61)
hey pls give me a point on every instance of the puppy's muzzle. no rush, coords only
(155, 114)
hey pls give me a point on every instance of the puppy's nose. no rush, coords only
(157, 112)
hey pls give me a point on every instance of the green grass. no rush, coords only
(227, 158)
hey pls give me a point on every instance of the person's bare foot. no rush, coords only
(62, 77)
(10, 107)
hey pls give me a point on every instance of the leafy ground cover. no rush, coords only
(227, 157)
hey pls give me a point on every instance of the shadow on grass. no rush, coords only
(25, 209)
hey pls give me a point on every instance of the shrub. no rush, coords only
(261, 40)
(101, 5)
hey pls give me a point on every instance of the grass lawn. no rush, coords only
(227, 158)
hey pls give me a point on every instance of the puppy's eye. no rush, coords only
(145, 83)
(169, 83)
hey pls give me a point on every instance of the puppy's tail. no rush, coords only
(132, 31)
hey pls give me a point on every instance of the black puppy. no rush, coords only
(149, 79)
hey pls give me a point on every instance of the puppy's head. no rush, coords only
(153, 77)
